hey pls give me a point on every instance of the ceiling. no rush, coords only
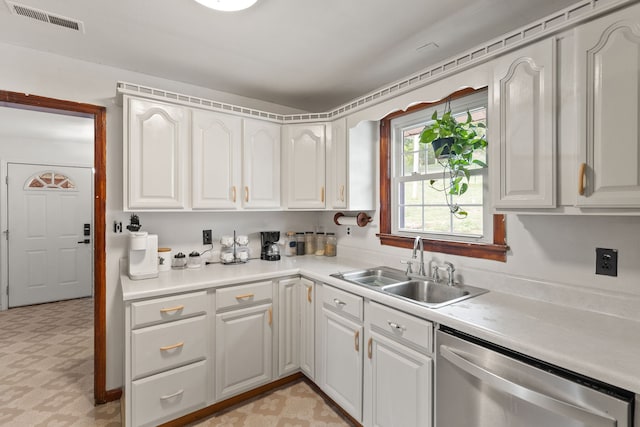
(311, 55)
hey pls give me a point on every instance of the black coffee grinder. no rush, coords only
(270, 250)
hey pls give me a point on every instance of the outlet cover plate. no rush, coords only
(607, 262)
(207, 239)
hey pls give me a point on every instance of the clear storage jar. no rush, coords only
(291, 244)
(300, 244)
(330, 245)
(309, 243)
(320, 244)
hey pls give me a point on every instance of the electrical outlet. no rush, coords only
(607, 262)
(206, 237)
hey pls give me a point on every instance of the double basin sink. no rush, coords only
(423, 291)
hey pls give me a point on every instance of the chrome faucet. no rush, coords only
(417, 244)
(450, 270)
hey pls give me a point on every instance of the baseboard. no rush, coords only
(216, 407)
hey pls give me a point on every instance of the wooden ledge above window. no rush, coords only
(496, 251)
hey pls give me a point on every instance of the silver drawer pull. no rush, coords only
(338, 302)
(396, 326)
(169, 396)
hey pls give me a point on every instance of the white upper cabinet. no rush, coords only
(261, 164)
(304, 181)
(337, 165)
(607, 58)
(215, 160)
(155, 154)
(522, 128)
(351, 155)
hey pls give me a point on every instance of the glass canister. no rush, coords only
(320, 244)
(291, 244)
(194, 260)
(300, 243)
(330, 245)
(179, 260)
(309, 243)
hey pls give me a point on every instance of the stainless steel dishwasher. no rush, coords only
(481, 385)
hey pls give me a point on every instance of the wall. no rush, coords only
(44, 74)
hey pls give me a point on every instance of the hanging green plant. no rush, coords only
(454, 144)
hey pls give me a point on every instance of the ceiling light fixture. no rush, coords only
(227, 5)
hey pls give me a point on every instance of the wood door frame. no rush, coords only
(99, 113)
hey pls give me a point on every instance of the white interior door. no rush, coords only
(50, 225)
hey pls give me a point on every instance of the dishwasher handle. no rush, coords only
(588, 416)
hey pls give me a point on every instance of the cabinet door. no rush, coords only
(608, 54)
(243, 350)
(307, 327)
(341, 376)
(261, 164)
(398, 381)
(523, 142)
(305, 166)
(155, 144)
(288, 326)
(337, 165)
(215, 160)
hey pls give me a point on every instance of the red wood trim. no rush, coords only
(469, 249)
(496, 251)
(99, 113)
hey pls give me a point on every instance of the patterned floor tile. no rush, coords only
(46, 378)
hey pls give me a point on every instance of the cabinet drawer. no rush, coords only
(244, 295)
(343, 302)
(169, 395)
(402, 326)
(161, 347)
(176, 307)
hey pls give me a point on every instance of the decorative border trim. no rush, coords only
(552, 24)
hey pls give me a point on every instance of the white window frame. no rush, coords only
(398, 125)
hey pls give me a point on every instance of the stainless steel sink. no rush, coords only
(374, 277)
(431, 293)
(421, 291)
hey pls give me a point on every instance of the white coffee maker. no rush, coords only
(143, 255)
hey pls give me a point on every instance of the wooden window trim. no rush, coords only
(496, 251)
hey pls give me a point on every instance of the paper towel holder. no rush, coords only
(361, 219)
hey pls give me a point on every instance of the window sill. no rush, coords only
(490, 251)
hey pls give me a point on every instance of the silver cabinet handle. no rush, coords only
(396, 326)
(338, 302)
(169, 396)
(587, 416)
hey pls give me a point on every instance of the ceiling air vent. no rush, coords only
(44, 16)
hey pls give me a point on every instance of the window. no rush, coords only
(50, 180)
(412, 201)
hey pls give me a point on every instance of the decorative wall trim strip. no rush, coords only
(555, 23)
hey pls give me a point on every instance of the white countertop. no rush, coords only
(602, 347)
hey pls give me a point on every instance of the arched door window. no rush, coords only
(50, 180)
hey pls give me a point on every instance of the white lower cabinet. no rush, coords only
(307, 328)
(398, 369)
(167, 358)
(372, 360)
(243, 349)
(296, 334)
(168, 395)
(340, 348)
(288, 326)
